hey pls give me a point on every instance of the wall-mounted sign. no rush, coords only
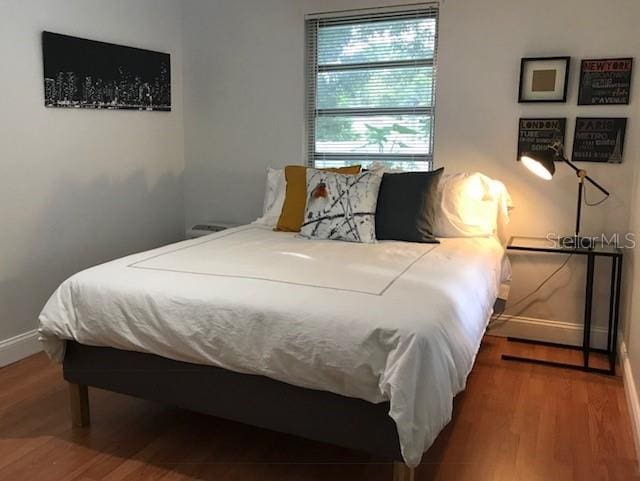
(86, 74)
(599, 140)
(535, 135)
(605, 81)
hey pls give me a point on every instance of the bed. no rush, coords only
(360, 345)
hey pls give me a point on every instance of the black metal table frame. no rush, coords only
(614, 312)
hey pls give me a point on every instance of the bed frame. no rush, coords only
(250, 399)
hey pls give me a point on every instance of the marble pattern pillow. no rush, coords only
(341, 207)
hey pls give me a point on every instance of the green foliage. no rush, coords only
(335, 129)
(387, 87)
(361, 43)
(379, 136)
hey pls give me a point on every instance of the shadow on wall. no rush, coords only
(241, 192)
(79, 226)
(563, 297)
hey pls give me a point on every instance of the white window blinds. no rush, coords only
(370, 88)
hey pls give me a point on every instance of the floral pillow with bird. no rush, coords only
(341, 207)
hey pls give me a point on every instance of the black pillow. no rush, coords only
(407, 206)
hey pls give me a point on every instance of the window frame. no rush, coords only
(312, 71)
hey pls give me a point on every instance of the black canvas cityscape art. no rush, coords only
(81, 73)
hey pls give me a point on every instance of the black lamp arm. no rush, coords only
(585, 176)
(559, 150)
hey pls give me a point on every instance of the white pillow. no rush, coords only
(341, 207)
(472, 205)
(273, 198)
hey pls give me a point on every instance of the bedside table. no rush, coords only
(598, 249)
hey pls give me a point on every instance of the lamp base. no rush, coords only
(576, 242)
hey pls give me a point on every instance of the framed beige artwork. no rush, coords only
(544, 79)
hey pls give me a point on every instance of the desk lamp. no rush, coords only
(543, 164)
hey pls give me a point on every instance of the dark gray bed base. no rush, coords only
(249, 399)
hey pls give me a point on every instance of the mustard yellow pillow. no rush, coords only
(295, 199)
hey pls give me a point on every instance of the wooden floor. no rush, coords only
(515, 422)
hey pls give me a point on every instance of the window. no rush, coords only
(370, 88)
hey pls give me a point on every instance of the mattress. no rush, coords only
(391, 321)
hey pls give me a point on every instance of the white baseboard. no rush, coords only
(545, 330)
(631, 393)
(19, 347)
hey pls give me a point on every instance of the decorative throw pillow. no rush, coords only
(296, 195)
(407, 206)
(341, 207)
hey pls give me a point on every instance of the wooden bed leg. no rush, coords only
(79, 403)
(401, 472)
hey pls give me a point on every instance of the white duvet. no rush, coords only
(389, 321)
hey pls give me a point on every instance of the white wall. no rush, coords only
(632, 314)
(80, 187)
(243, 102)
(481, 45)
(244, 110)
